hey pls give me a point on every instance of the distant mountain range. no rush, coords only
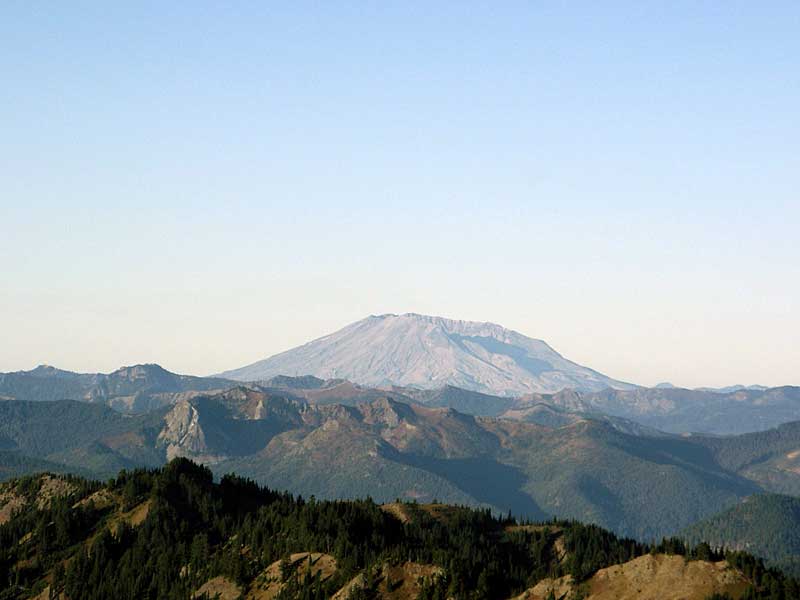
(590, 468)
(430, 352)
(140, 388)
(423, 408)
(722, 390)
(679, 410)
(597, 456)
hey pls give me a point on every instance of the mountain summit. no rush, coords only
(430, 352)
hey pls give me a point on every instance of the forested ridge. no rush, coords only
(766, 524)
(162, 533)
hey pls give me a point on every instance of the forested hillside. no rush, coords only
(591, 469)
(170, 532)
(770, 458)
(76, 436)
(767, 525)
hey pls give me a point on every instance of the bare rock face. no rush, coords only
(182, 434)
(430, 352)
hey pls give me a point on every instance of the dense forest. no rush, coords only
(765, 524)
(195, 529)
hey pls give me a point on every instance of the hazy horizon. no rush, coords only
(215, 373)
(202, 187)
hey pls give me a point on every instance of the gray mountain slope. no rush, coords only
(429, 352)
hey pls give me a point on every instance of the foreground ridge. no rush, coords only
(175, 533)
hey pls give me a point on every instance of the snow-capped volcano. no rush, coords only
(429, 352)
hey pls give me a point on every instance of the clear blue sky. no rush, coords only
(203, 185)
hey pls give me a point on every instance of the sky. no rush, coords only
(204, 184)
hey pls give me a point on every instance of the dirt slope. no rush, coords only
(268, 585)
(219, 587)
(393, 582)
(659, 577)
